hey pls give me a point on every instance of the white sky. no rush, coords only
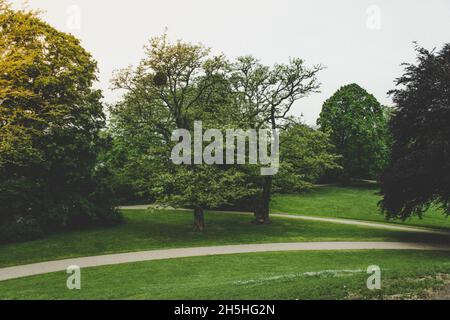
(342, 35)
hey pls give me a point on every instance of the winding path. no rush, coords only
(370, 224)
(377, 225)
(112, 259)
(119, 258)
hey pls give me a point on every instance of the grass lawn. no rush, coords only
(173, 229)
(274, 275)
(352, 202)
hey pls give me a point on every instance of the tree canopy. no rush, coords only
(265, 95)
(305, 156)
(174, 85)
(50, 118)
(178, 83)
(357, 125)
(419, 171)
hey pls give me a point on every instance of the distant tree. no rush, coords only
(50, 119)
(357, 125)
(419, 171)
(305, 155)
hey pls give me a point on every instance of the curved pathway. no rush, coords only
(377, 225)
(370, 224)
(102, 260)
(94, 261)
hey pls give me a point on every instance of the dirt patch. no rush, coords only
(436, 287)
(444, 292)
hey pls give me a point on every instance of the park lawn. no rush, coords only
(147, 230)
(271, 275)
(357, 202)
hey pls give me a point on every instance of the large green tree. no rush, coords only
(357, 125)
(265, 95)
(50, 118)
(419, 171)
(173, 86)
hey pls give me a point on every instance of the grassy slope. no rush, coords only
(280, 275)
(171, 229)
(355, 202)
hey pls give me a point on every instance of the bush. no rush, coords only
(27, 229)
(21, 230)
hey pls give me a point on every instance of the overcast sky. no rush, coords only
(357, 40)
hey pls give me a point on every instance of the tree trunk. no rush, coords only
(345, 179)
(262, 208)
(199, 219)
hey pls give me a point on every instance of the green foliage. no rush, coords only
(204, 186)
(418, 174)
(178, 83)
(174, 85)
(264, 96)
(357, 125)
(50, 119)
(305, 155)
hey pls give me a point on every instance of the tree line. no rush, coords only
(63, 165)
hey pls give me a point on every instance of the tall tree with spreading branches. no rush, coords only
(173, 86)
(265, 96)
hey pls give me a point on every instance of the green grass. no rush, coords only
(173, 229)
(352, 202)
(274, 275)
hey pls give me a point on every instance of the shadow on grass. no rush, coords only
(173, 229)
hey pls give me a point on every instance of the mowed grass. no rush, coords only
(146, 230)
(358, 202)
(273, 275)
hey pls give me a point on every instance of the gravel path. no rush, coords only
(94, 261)
(377, 225)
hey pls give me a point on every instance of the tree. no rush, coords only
(265, 96)
(357, 124)
(50, 119)
(305, 155)
(173, 86)
(418, 174)
(178, 83)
